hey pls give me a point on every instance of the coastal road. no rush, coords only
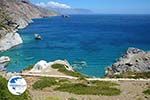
(90, 79)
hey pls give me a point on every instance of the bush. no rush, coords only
(61, 68)
(104, 83)
(6, 95)
(78, 87)
(147, 92)
(44, 82)
(82, 89)
(134, 75)
(52, 98)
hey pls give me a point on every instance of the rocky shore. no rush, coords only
(10, 40)
(134, 60)
(4, 60)
(21, 13)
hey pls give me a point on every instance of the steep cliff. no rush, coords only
(14, 15)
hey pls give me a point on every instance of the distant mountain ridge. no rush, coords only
(63, 8)
(72, 11)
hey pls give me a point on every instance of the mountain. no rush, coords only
(14, 15)
(72, 11)
(63, 8)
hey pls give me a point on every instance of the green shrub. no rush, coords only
(93, 89)
(78, 87)
(72, 98)
(134, 75)
(104, 83)
(61, 68)
(52, 98)
(44, 82)
(147, 92)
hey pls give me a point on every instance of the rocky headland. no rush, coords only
(134, 60)
(14, 15)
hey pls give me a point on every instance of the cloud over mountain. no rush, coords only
(52, 4)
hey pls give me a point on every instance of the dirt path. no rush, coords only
(90, 79)
(130, 91)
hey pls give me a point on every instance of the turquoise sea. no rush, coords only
(89, 42)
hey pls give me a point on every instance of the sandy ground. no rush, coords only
(131, 90)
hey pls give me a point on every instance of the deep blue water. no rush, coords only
(96, 39)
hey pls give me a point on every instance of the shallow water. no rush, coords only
(96, 40)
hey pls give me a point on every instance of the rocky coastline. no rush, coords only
(21, 13)
(134, 60)
(4, 60)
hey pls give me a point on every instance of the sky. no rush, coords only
(101, 6)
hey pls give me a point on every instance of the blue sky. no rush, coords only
(107, 6)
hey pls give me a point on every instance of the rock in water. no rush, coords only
(134, 60)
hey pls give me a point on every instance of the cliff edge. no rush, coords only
(14, 15)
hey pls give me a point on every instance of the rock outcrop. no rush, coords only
(14, 15)
(134, 60)
(4, 60)
(10, 40)
(39, 66)
(63, 62)
(43, 65)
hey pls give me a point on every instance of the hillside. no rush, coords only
(14, 15)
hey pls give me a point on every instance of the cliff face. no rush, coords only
(14, 15)
(134, 60)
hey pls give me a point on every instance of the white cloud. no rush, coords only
(53, 4)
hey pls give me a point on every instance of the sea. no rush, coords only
(90, 43)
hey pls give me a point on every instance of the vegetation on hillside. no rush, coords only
(44, 82)
(147, 92)
(134, 75)
(81, 87)
(61, 68)
(6, 95)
